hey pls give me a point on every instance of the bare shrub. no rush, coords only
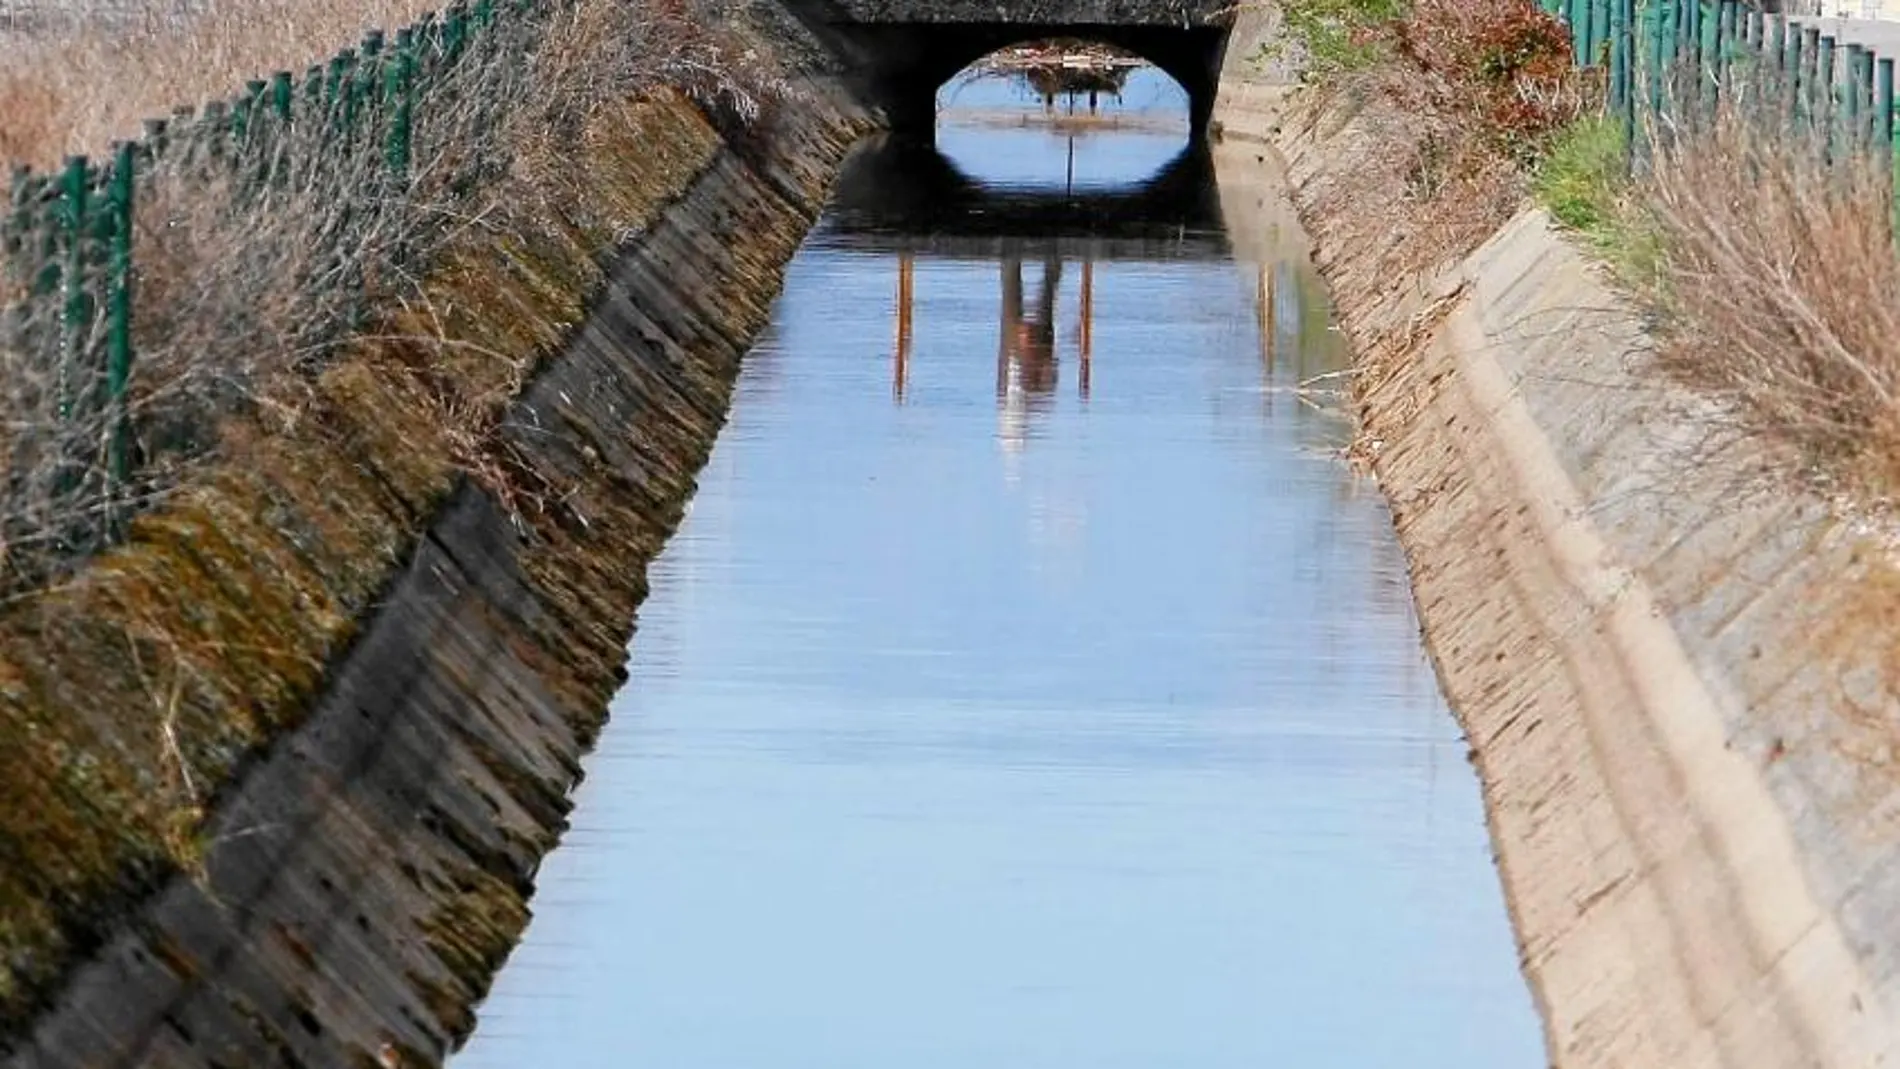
(1504, 64)
(1470, 92)
(259, 263)
(1776, 278)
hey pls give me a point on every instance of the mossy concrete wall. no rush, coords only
(1675, 668)
(361, 879)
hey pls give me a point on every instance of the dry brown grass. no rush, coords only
(247, 288)
(94, 71)
(1775, 275)
(303, 398)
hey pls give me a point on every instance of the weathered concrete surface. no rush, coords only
(1256, 74)
(363, 882)
(1675, 671)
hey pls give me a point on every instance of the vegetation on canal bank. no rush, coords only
(1769, 272)
(1461, 99)
(1764, 260)
(298, 452)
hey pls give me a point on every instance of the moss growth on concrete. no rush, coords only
(471, 934)
(133, 697)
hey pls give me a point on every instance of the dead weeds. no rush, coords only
(1777, 287)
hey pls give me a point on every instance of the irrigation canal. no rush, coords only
(1031, 685)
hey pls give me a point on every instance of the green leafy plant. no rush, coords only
(1584, 182)
(1582, 177)
(1336, 35)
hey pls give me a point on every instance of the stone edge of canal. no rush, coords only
(1684, 805)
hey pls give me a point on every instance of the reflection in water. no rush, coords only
(906, 292)
(1026, 354)
(1101, 739)
(910, 198)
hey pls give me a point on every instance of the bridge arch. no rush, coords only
(901, 66)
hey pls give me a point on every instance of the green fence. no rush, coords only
(1671, 62)
(78, 434)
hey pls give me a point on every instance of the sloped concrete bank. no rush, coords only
(362, 881)
(1676, 673)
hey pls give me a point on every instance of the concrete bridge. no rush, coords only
(898, 53)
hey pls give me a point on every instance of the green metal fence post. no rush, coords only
(1825, 76)
(351, 111)
(120, 198)
(1883, 135)
(1624, 51)
(1809, 59)
(281, 95)
(369, 73)
(1657, 49)
(1720, 39)
(1619, 57)
(398, 78)
(1883, 110)
(1850, 98)
(1600, 34)
(1867, 91)
(454, 32)
(1680, 57)
(343, 90)
(1692, 34)
(1864, 101)
(75, 181)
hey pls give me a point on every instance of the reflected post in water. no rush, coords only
(1086, 333)
(1027, 351)
(906, 292)
(1027, 367)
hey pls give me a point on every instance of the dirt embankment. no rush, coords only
(1676, 672)
(417, 659)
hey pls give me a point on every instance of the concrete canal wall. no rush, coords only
(364, 875)
(1676, 673)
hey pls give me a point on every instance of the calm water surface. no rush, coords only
(1030, 686)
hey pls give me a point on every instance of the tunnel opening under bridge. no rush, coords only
(908, 65)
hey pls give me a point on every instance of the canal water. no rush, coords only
(1031, 685)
